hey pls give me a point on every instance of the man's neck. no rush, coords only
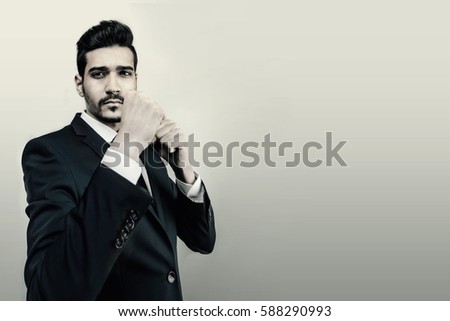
(114, 126)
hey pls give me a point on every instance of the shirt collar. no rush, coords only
(105, 132)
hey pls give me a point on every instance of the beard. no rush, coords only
(107, 120)
(95, 108)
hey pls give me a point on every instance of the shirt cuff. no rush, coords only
(122, 164)
(193, 191)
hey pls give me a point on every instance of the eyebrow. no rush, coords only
(103, 68)
(125, 68)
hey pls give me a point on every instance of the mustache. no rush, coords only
(111, 97)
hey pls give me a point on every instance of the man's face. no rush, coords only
(109, 74)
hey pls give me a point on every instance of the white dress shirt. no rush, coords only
(132, 170)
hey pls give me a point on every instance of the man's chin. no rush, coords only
(111, 120)
(108, 119)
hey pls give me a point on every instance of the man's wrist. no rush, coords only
(185, 174)
(128, 145)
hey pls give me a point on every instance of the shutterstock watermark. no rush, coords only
(266, 152)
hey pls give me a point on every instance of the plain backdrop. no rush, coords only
(374, 73)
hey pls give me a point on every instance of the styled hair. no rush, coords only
(107, 33)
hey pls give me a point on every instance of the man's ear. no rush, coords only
(79, 85)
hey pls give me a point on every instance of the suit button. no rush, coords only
(124, 234)
(118, 243)
(171, 277)
(129, 225)
(134, 214)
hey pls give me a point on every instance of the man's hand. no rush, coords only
(141, 118)
(171, 145)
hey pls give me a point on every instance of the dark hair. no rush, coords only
(106, 34)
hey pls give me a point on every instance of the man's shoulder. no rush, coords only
(52, 138)
(57, 139)
(57, 136)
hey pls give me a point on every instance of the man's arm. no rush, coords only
(195, 222)
(71, 238)
(195, 218)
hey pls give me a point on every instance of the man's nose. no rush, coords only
(112, 86)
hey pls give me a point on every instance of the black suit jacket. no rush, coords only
(92, 234)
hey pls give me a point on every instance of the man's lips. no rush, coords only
(113, 101)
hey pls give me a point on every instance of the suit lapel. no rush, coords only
(91, 138)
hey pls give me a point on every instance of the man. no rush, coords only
(104, 215)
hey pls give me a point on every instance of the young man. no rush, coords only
(104, 215)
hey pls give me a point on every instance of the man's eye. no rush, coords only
(126, 73)
(98, 74)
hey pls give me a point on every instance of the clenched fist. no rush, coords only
(141, 118)
(171, 144)
(143, 122)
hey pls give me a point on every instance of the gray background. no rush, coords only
(374, 73)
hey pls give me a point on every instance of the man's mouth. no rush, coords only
(113, 101)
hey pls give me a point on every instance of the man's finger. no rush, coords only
(165, 127)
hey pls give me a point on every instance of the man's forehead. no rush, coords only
(110, 57)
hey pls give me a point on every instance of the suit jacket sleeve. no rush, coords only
(71, 237)
(195, 222)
